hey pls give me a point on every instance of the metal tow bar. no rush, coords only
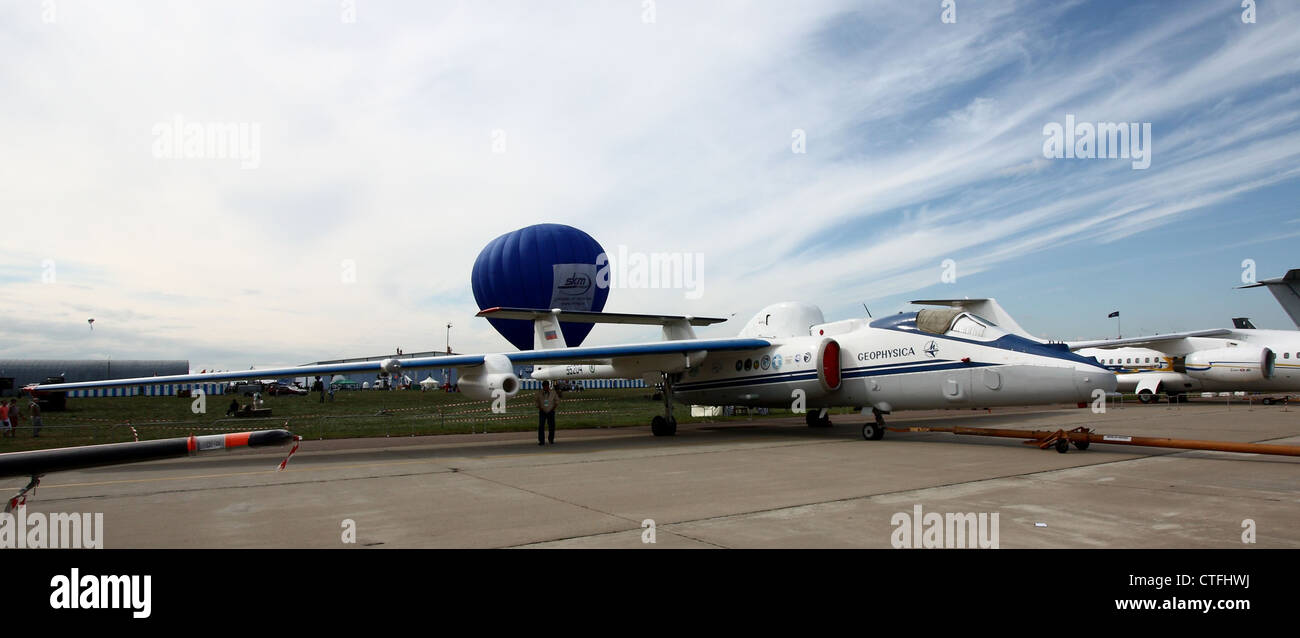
(1082, 437)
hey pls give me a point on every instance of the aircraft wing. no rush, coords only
(582, 354)
(1155, 340)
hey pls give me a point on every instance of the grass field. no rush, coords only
(352, 414)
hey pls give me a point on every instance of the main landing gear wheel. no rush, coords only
(816, 419)
(874, 430)
(660, 426)
(1147, 396)
(665, 425)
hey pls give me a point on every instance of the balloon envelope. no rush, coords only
(541, 266)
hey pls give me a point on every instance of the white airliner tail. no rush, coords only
(1287, 291)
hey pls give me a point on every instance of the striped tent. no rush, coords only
(589, 384)
(160, 390)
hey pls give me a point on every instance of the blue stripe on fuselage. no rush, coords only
(906, 322)
(853, 373)
(846, 372)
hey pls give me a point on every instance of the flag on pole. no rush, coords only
(1113, 315)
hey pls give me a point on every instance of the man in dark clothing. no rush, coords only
(547, 401)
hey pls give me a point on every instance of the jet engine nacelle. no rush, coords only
(495, 375)
(1242, 363)
(828, 365)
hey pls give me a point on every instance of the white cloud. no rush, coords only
(674, 136)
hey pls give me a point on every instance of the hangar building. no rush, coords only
(16, 373)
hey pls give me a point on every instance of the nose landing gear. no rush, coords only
(874, 430)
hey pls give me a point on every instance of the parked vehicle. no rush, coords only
(283, 389)
(246, 388)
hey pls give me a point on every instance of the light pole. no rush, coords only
(446, 372)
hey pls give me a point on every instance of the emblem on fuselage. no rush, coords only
(931, 348)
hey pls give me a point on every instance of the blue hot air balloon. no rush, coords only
(541, 266)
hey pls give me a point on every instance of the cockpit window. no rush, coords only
(955, 321)
(936, 321)
(968, 325)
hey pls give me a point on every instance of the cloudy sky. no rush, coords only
(839, 153)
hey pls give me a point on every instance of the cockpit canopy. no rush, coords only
(956, 322)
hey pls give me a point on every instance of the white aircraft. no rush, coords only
(1218, 360)
(786, 355)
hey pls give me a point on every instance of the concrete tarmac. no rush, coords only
(769, 483)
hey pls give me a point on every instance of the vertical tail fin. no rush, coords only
(1287, 291)
(547, 334)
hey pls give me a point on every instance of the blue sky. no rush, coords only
(924, 143)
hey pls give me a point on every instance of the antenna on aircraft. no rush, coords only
(864, 307)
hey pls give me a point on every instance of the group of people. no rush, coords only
(322, 388)
(11, 416)
(235, 409)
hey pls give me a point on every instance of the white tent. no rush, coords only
(429, 383)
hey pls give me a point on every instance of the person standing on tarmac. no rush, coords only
(547, 401)
(36, 418)
(15, 417)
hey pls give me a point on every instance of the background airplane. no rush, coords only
(1216, 360)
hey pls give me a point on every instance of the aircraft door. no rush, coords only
(956, 385)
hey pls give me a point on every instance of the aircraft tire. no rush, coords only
(659, 427)
(871, 431)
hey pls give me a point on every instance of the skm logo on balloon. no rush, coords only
(680, 271)
(576, 284)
